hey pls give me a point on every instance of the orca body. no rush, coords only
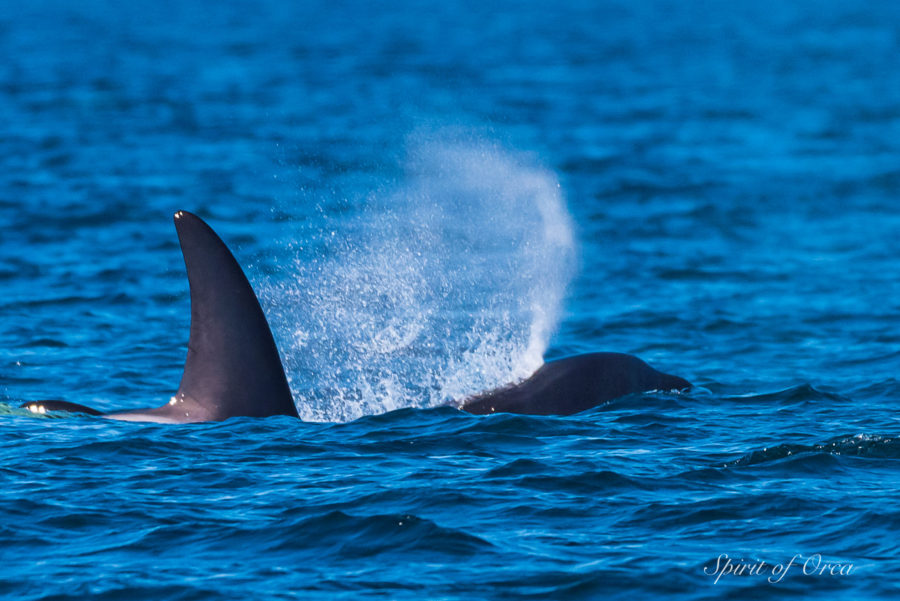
(575, 384)
(233, 368)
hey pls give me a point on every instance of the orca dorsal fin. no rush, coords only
(232, 367)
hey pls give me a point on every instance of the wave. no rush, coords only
(858, 445)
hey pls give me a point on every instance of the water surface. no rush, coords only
(431, 198)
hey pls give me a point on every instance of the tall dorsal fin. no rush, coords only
(232, 367)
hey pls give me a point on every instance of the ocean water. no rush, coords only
(431, 198)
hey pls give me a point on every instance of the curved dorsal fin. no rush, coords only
(232, 367)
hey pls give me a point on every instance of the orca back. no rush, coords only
(575, 384)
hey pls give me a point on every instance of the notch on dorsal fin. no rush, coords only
(232, 367)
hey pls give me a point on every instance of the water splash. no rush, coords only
(449, 284)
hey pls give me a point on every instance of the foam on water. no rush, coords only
(447, 284)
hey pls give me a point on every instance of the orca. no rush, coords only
(233, 368)
(575, 384)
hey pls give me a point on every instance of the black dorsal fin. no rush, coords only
(232, 367)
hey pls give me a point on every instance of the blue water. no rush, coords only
(431, 197)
